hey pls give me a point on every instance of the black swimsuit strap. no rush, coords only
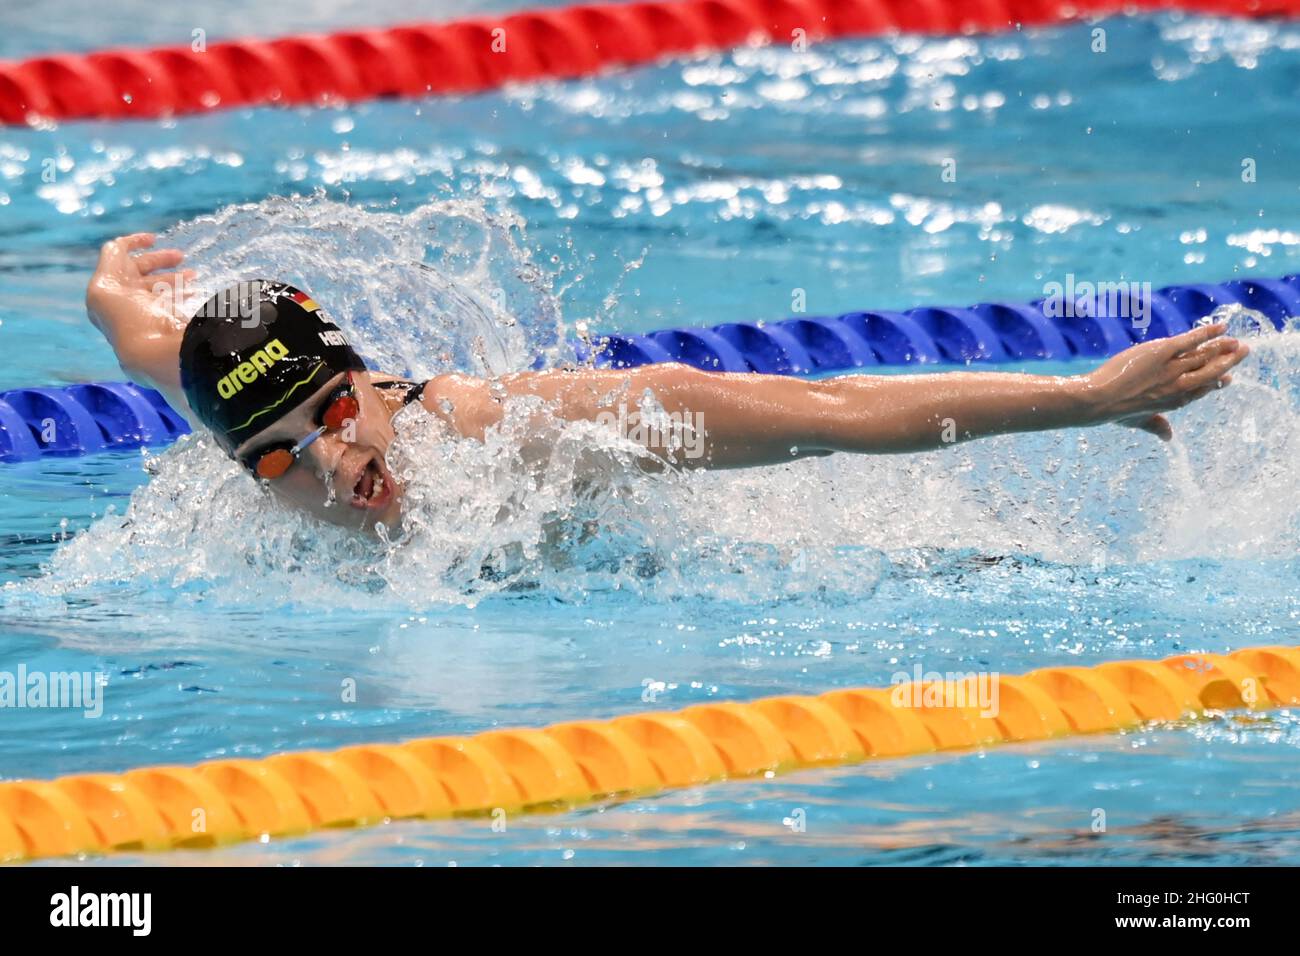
(414, 390)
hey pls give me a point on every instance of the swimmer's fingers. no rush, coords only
(172, 278)
(115, 255)
(148, 262)
(1179, 345)
(1209, 388)
(1207, 376)
(1199, 357)
(137, 240)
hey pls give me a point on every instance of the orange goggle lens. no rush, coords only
(274, 463)
(342, 410)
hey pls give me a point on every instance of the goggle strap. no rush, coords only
(297, 449)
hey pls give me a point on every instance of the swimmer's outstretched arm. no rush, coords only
(750, 419)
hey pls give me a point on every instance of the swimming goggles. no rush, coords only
(340, 407)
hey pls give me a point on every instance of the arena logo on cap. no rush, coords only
(247, 372)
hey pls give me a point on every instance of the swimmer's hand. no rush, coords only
(136, 302)
(1135, 386)
(129, 296)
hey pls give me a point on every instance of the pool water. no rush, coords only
(480, 233)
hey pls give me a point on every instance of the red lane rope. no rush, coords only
(468, 56)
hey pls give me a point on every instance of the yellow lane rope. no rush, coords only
(225, 801)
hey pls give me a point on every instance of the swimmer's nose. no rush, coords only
(325, 453)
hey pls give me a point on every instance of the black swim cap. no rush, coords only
(255, 351)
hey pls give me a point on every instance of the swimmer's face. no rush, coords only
(341, 477)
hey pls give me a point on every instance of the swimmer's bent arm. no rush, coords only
(134, 302)
(738, 420)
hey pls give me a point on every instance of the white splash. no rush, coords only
(449, 287)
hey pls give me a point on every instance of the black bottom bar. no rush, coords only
(211, 906)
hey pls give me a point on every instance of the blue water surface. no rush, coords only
(712, 189)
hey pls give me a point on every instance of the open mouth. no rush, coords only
(373, 488)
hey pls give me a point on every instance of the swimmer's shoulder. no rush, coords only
(462, 401)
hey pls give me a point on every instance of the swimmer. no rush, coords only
(277, 383)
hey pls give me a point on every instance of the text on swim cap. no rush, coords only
(332, 337)
(246, 373)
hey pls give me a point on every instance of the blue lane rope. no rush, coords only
(84, 419)
(103, 416)
(989, 332)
